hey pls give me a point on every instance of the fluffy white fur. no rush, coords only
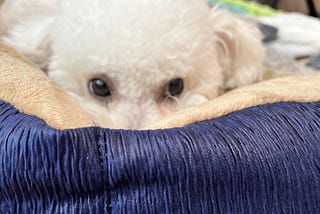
(137, 47)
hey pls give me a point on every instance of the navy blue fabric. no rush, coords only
(264, 159)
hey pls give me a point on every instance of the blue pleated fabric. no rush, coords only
(264, 159)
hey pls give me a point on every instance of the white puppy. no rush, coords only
(130, 63)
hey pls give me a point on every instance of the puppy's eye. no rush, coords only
(175, 86)
(99, 87)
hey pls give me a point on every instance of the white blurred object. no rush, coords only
(298, 35)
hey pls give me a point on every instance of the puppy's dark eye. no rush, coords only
(175, 86)
(99, 87)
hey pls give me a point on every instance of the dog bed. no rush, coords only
(252, 150)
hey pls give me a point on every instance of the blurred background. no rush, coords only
(302, 6)
(291, 29)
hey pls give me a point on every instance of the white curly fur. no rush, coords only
(137, 47)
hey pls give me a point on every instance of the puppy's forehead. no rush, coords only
(140, 45)
(128, 29)
(140, 73)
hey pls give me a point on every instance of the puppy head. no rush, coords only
(131, 63)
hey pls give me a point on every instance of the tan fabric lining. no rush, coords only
(293, 88)
(27, 88)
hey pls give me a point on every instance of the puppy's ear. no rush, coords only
(240, 49)
(25, 28)
(31, 40)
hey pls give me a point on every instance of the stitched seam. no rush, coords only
(104, 172)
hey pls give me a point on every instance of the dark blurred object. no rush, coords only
(272, 3)
(270, 33)
(314, 62)
(312, 8)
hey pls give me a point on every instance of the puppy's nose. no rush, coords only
(136, 114)
(163, 111)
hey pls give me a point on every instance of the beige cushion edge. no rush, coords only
(284, 89)
(28, 89)
(60, 111)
